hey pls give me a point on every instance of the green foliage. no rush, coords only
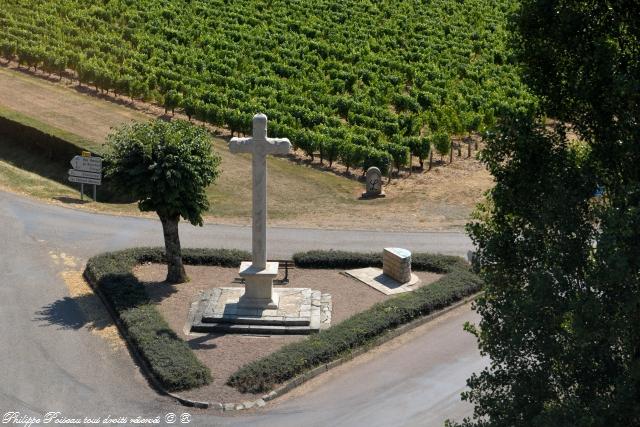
(383, 70)
(399, 154)
(562, 296)
(172, 100)
(441, 143)
(357, 331)
(166, 166)
(347, 260)
(420, 147)
(349, 155)
(373, 157)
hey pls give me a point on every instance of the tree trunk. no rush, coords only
(451, 154)
(430, 159)
(469, 148)
(175, 269)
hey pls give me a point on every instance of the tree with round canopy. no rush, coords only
(166, 167)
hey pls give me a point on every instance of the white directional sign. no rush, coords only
(86, 170)
(88, 164)
(82, 180)
(83, 174)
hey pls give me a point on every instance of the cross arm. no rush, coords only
(241, 145)
(278, 146)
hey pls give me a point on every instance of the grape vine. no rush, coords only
(362, 82)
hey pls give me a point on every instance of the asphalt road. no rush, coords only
(50, 361)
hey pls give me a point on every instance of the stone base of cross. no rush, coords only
(258, 274)
(259, 285)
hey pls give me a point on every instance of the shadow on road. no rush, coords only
(74, 313)
(71, 200)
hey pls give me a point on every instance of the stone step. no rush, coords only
(257, 320)
(251, 329)
(309, 313)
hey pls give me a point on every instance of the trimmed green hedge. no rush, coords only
(170, 359)
(362, 328)
(175, 366)
(436, 263)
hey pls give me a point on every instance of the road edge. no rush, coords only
(282, 389)
(394, 333)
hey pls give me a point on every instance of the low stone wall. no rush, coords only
(396, 263)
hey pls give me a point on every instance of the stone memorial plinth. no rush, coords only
(259, 285)
(395, 277)
(299, 311)
(396, 263)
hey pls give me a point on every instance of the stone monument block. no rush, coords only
(396, 263)
(373, 184)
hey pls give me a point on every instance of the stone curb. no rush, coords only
(286, 387)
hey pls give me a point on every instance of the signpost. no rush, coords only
(86, 170)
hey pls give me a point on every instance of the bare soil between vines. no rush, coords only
(301, 194)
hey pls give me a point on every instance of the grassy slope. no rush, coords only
(299, 194)
(70, 116)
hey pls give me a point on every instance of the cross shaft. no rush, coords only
(259, 145)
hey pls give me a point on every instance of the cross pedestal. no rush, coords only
(259, 274)
(259, 285)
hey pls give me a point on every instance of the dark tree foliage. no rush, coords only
(559, 236)
(167, 167)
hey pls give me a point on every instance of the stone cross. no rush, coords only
(259, 145)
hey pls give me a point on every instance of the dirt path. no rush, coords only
(300, 194)
(61, 107)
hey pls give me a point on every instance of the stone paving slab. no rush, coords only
(375, 278)
(300, 311)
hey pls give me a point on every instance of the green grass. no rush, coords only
(81, 143)
(15, 175)
(39, 172)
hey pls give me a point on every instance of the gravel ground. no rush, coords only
(224, 354)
